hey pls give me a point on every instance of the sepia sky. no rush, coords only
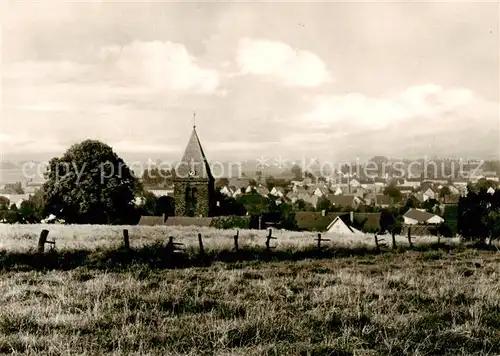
(330, 80)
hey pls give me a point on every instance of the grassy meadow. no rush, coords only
(23, 237)
(409, 303)
(90, 297)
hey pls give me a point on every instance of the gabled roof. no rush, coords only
(383, 200)
(314, 221)
(300, 190)
(262, 191)
(188, 221)
(451, 199)
(340, 220)
(313, 200)
(278, 189)
(371, 220)
(151, 220)
(419, 215)
(343, 200)
(419, 196)
(194, 160)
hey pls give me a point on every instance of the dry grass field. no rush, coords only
(413, 303)
(24, 237)
(92, 298)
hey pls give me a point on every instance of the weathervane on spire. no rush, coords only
(194, 119)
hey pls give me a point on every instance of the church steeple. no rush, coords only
(193, 183)
(194, 163)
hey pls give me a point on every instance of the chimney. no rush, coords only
(323, 212)
(351, 216)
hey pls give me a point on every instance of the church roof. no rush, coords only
(194, 163)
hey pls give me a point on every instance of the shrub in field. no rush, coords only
(231, 222)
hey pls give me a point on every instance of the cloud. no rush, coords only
(427, 119)
(119, 93)
(159, 65)
(281, 62)
(155, 65)
(430, 101)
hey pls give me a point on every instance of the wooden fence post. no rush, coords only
(268, 239)
(235, 237)
(171, 245)
(260, 222)
(126, 241)
(42, 240)
(200, 242)
(409, 237)
(376, 243)
(319, 239)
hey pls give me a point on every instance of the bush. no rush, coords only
(445, 230)
(231, 222)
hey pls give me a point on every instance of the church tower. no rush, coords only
(193, 182)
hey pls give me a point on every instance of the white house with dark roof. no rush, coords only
(339, 226)
(412, 182)
(227, 191)
(429, 194)
(420, 216)
(278, 192)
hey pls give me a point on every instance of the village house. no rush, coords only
(236, 187)
(429, 194)
(346, 201)
(263, 191)
(278, 192)
(338, 191)
(299, 190)
(354, 184)
(162, 192)
(383, 201)
(341, 227)
(321, 221)
(227, 191)
(453, 189)
(16, 199)
(420, 216)
(411, 182)
(319, 190)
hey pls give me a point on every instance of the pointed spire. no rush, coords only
(194, 119)
(194, 164)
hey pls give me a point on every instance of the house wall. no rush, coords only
(413, 184)
(339, 227)
(409, 221)
(418, 230)
(226, 191)
(435, 220)
(318, 192)
(161, 192)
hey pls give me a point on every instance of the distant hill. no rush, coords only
(8, 165)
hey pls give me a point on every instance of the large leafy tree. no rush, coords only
(477, 213)
(392, 191)
(90, 184)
